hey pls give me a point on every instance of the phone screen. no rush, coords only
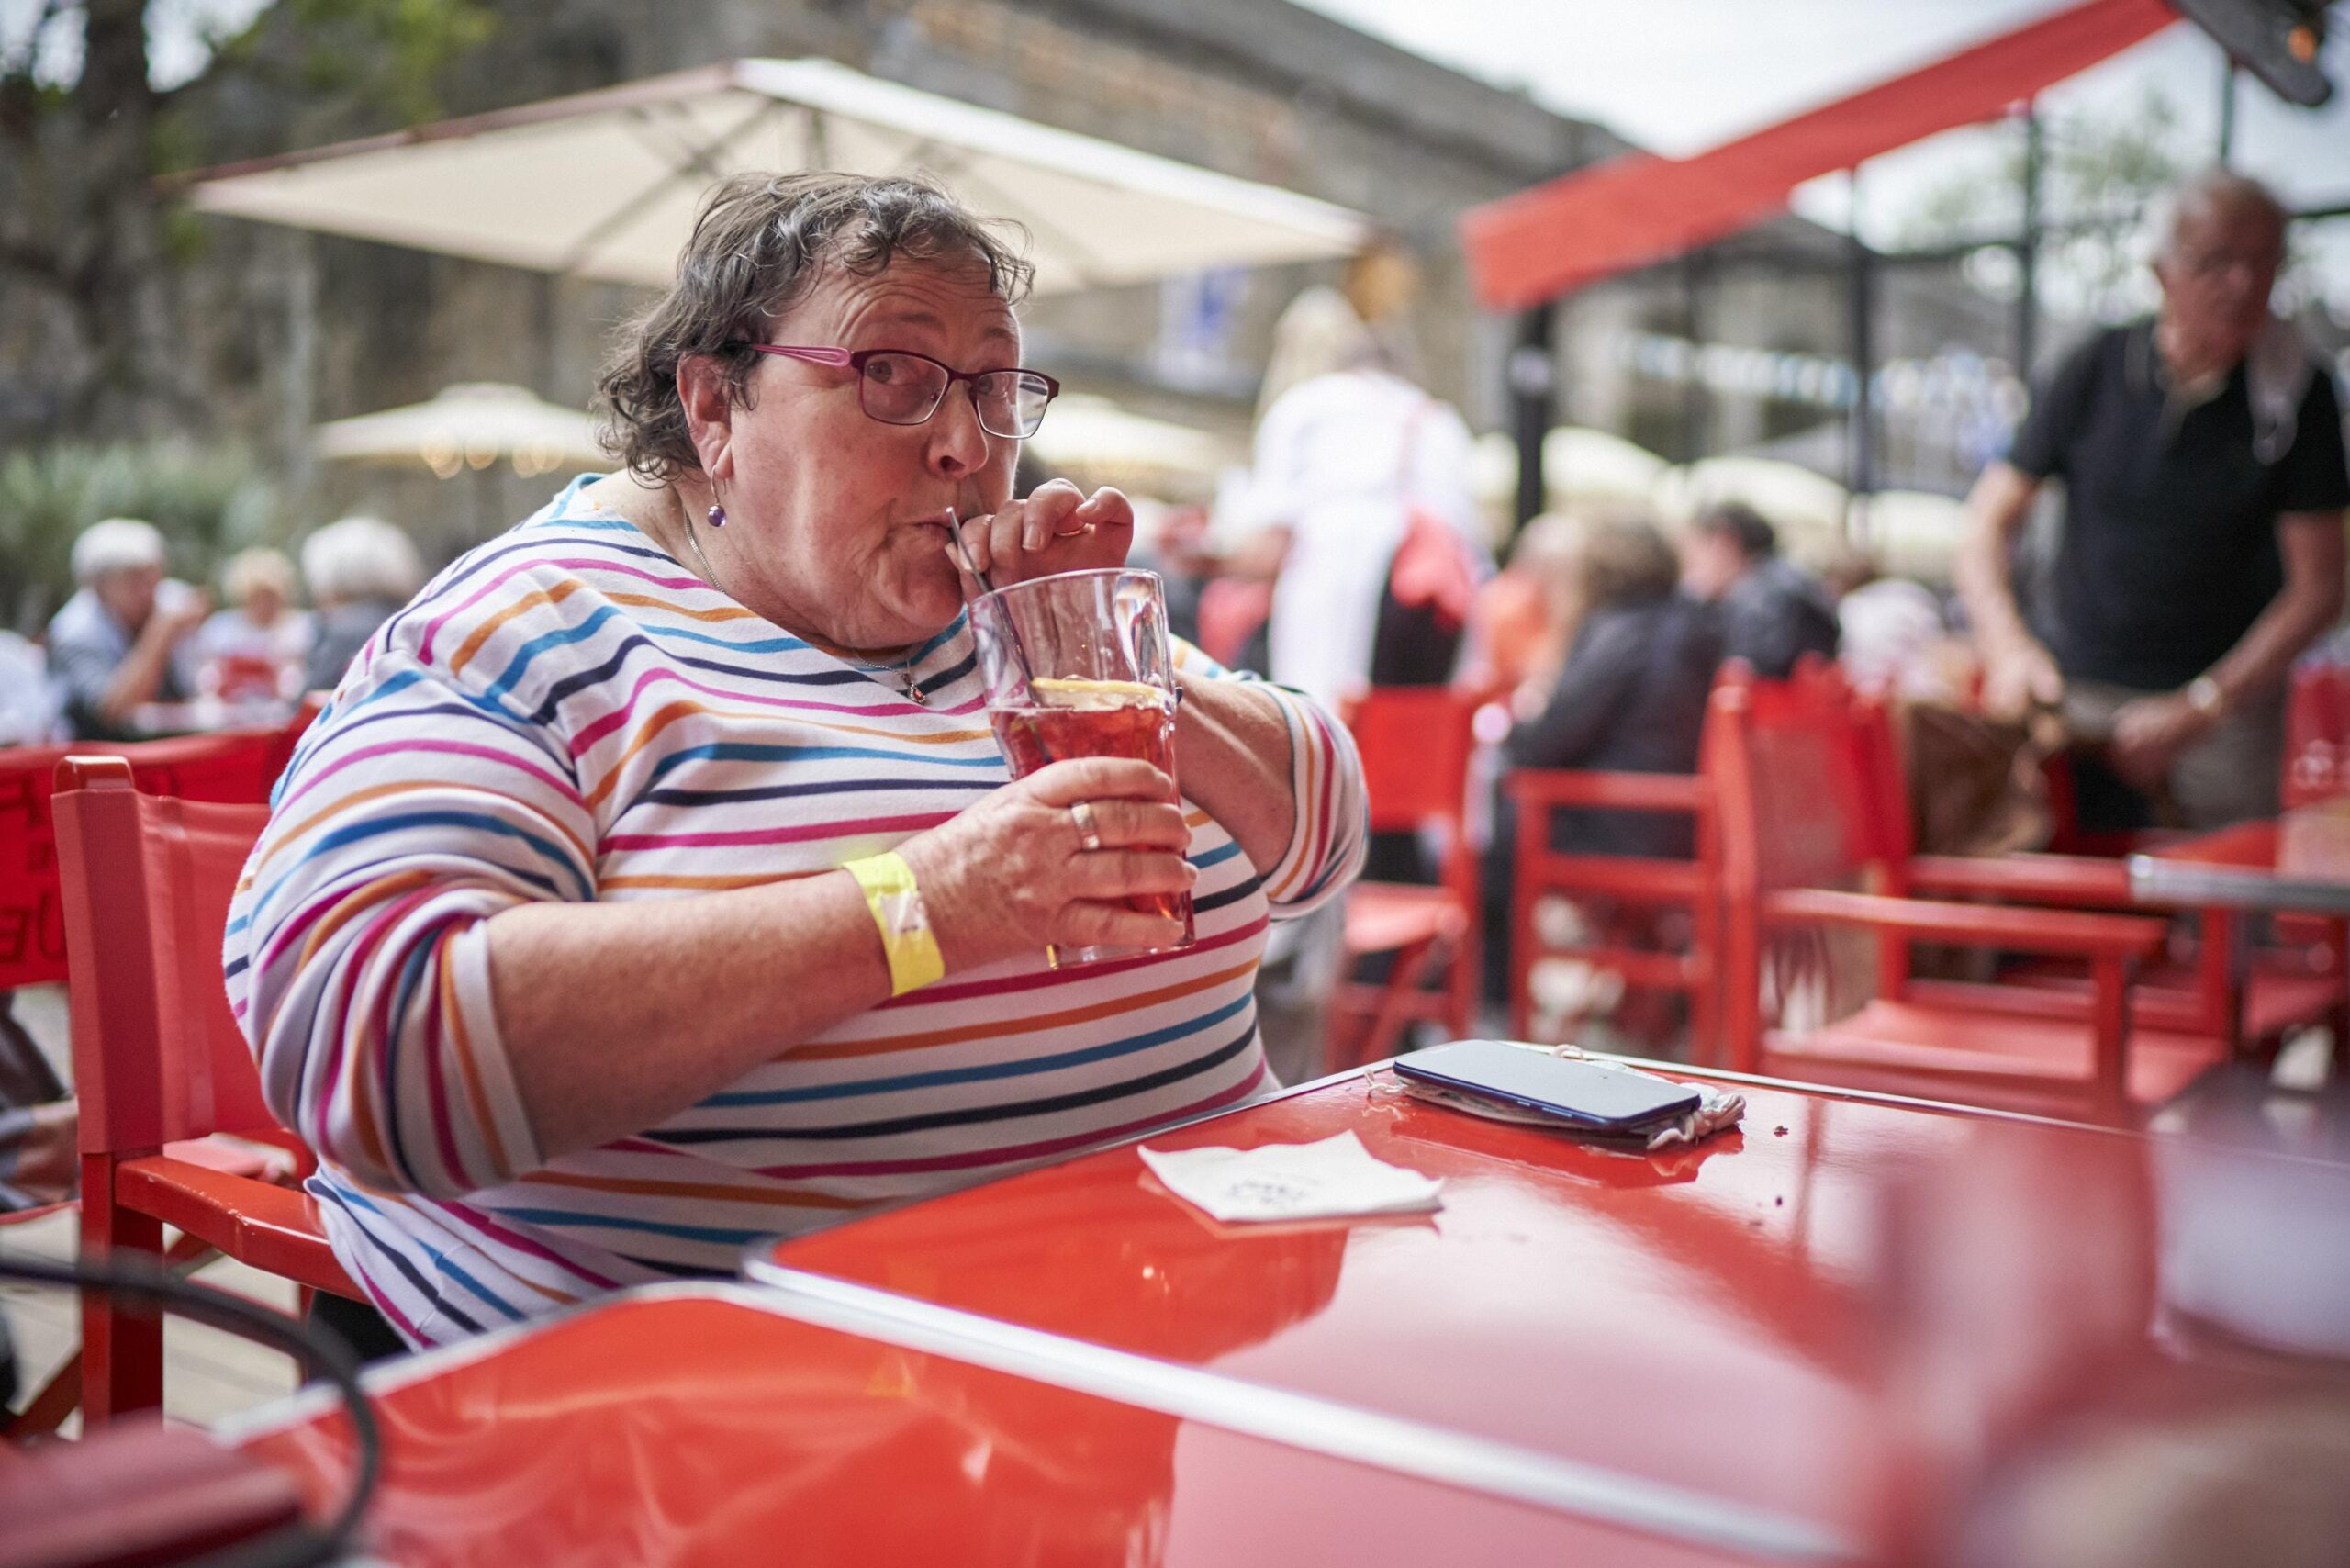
(1599, 1097)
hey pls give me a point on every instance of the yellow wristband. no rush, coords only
(906, 936)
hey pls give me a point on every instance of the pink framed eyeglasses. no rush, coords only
(899, 387)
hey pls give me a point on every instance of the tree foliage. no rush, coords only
(207, 500)
(2100, 173)
(84, 128)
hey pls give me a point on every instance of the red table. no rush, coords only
(696, 1425)
(1583, 1357)
(1713, 1322)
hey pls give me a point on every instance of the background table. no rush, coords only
(2297, 864)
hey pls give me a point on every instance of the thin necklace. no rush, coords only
(904, 672)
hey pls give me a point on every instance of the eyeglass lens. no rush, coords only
(906, 389)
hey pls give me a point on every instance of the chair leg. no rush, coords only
(47, 1410)
(122, 1347)
(1396, 1005)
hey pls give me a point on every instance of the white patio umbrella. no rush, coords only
(1807, 508)
(1093, 436)
(1912, 533)
(470, 425)
(605, 184)
(1580, 466)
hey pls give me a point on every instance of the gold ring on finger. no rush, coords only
(1089, 832)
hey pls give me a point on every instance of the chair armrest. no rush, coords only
(2063, 932)
(274, 1229)
(1546, 787)
(2037, 879)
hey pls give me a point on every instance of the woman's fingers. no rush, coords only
(1105, 508)
(976, 534)
(1123, 873)
(1098, 779)
(1045, 514)
(1139, 824)
(1087, 923)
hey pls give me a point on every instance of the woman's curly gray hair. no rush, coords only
(761, 241)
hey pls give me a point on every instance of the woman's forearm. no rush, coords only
(1232, 750)
(616, 1017)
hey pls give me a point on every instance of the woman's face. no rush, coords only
(837, 522)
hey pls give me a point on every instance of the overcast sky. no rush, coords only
(1678, 76)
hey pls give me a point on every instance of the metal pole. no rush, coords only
(2028, 244)
(1693, 408)
(1863, 426)
(1532, 373)
(2227, 109)
(300, 406)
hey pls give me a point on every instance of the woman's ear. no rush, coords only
(710, 413)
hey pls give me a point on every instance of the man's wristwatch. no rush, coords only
(2203, 695)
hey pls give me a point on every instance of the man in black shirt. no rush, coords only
(2202, 545)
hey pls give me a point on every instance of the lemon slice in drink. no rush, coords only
(1058, 691)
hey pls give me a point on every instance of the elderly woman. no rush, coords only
(558, 949)
(360, 571)
(1630, 697)
(252, 650)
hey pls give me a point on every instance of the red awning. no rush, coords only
(1640, 208)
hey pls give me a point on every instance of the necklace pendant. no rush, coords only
(915, 694)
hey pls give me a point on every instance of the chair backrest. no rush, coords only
(145, 883)
(1808, 783)
(235, 765)
(1416, 743)
(2317, 734)
(1807, 794)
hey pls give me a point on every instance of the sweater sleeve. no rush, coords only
(356, 954)
(1331, 832)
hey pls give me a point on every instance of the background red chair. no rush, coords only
(2317, 734)
(160, 1059)
(232, 766)
(1686, 887)
(1813, 828)
(1416, 743)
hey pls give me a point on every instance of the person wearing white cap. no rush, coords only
(110, 646)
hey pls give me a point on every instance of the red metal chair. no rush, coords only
(1685, 886)
(1813, 834)
(159, 1059)
(234, 765)
(2317, 734)
(230, 766)
(1415, 743)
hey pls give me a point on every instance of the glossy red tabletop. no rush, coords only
(1703, 1321)
(691, 1425)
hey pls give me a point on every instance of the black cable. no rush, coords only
(299, 1544)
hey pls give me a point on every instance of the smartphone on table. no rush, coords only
(1584, 1095)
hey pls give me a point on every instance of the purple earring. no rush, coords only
(717, 516)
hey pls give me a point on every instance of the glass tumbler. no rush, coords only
(1077, 664)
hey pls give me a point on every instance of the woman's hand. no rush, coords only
(1013, 874)
(1056, 529)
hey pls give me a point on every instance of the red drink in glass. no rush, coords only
(1096, 717)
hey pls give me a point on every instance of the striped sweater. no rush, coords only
(567, 714)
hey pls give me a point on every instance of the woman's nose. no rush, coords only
(957, 444)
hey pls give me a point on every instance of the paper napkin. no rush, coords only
(1293, 1181)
